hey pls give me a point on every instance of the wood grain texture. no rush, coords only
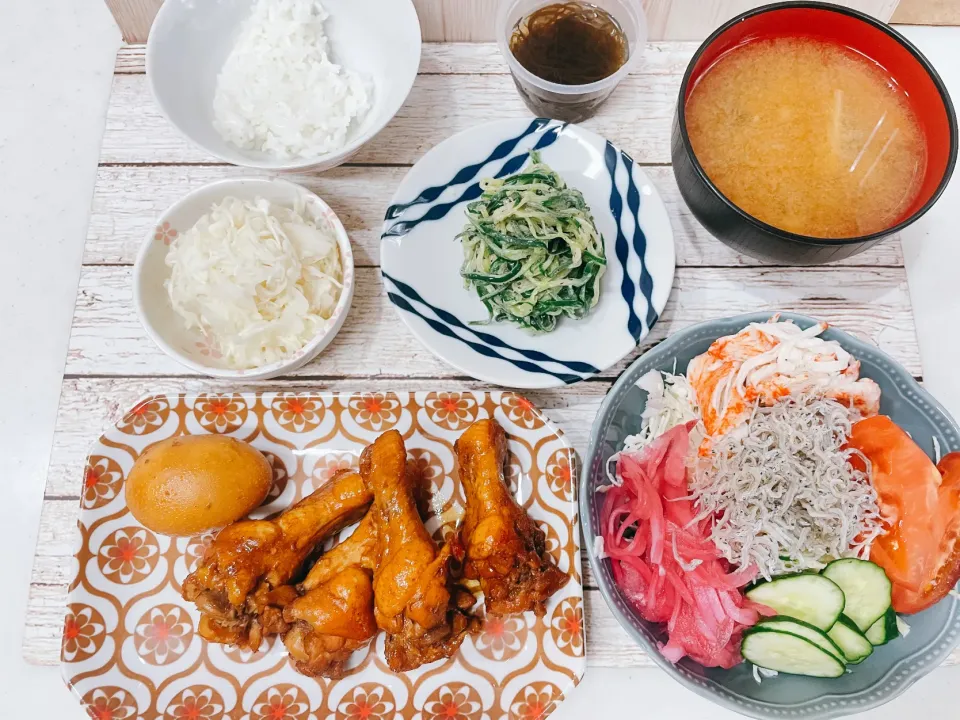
(927, 12)
(873, 303)
(134, 17)
(659, 58)
(128, 200)
(637, 117)
(473, 20)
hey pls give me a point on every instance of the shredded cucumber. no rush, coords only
(531, 249)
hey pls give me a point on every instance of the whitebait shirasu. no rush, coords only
(670, 402)
(781, 490)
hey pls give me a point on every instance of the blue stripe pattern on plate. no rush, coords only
(636, 327)
(550, 132)
(447, 324)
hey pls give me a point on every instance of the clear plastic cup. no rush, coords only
(570, 103)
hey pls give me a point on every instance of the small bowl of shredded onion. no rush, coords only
(247, 278)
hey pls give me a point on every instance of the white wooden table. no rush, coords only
(145, 166)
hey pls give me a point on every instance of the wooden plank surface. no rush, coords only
(128, 200)
(927, 12)
(473, 20)
(146, 166)
(438, 106)
(873, 303)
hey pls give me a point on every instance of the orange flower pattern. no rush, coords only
(520, 411)
(110, 703)
(155, 629)
(196, 547)
(332, 463)
(128, 555)
(370, 701)
(455, 701)
(535, 701)
(297, 413)
(164, 233)
(280, 476)
(83, 633)
(220, 413)
(283, 702)
(454, 411)
(196, 703)
(375, 411)
(102, 479)
(426, 467)
(561, 473)
(552, 542)
(163, 634)
(146, 416)
(566, 626)
(502, 637)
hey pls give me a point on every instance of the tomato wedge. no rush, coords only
(921, 550)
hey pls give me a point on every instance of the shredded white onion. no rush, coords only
(781, 492)
(257, 279)
(598, 550)
(760, 672)
(902, 627)
(279, 92)
(936, 450)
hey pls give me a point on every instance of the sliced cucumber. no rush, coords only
(812, 598)
(855, 646)
(883, 630)
(788, 653)
(865, 586)
(801, 629)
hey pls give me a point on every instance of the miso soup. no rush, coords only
(807, 136)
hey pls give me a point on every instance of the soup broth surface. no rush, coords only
(807, 136)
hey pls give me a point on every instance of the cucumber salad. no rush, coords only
(531, 249)
(766, 511)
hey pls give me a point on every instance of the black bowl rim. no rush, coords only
(863, 17)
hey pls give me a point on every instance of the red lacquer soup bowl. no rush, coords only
(914, 77)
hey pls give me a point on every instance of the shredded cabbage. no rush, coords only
(257, 279)
(670, 402)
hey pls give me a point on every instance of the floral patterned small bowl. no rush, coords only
(191, 348)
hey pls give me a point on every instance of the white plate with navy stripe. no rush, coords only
(421, 257)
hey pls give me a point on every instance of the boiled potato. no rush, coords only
(186, 485)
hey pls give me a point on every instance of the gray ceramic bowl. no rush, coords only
(892, 668)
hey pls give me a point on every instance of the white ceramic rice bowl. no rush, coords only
(191, 39)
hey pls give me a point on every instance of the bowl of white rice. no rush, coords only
(283, 84)
(245, 278)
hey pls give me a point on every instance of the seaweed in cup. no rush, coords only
(571, 43)
(531, 249)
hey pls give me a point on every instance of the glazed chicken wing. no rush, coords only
(241, 585)
(415, 600)
(334, 617)
(505, 550)
(331, 621)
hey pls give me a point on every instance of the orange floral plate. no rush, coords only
(130, 651)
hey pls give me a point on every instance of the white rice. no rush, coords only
(280, 93)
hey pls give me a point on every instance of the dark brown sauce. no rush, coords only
(571, 43)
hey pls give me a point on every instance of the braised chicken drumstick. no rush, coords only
(417, 603)
(334, 617)
(505, 549)
(241, 584)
